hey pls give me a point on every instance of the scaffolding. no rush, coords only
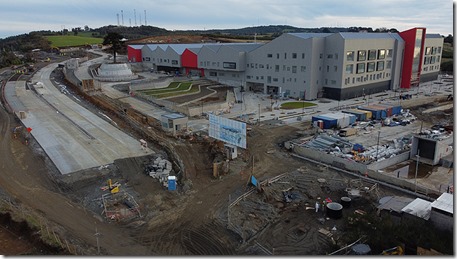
(120, 206)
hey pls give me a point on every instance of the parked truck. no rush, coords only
(348, 132)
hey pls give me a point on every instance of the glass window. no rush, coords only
(320, 55)
(277, 55)
(362, 55)
(294, 69)
(360, 68)
(380, 66)
(372, 54)
(381, 54)
(303, 68)
(276, 68)
(371, 66)
(330, 56)
(438, 51)
(389, 53)
(269, 55)
(427, 51)
(303, 55)
(349, 69)
(294, 55)
(388, 64)
(350, 56)
(335, 68)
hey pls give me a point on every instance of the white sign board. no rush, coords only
(227, 130)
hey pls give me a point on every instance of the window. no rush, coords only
(268, 79)
(433, 51)
(148, 58)
(360, 68)
(335, 68)
(303, 56)
(283, 67)
(333, 82)
(349, 69)
(432, 60)
(427, 51)
(288, 68)
(285, 55)
(381, 54)
(212, 73)
(294, 69)
(174, 62)
(277, 55)
(437, 59)
(303, 68)
(350, 56)
(276, 68)
(320, 55)
(269, 55)
(388, 64)
(362, 55)
(275, 79)
(336, 55)
(438, 51)
(328, 67)
(371, 66)
(389, 53)
(330, 56)
(229, 65)
(294, 55)
(372, 54)
(380, 66)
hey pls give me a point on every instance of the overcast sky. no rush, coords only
(17, 17)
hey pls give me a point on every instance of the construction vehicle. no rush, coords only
(397, 250)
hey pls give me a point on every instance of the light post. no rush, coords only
(377, 146)
(417, 167)
(259, 113)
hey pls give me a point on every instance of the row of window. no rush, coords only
(431, 60)
(160, 60)
(431, 68)
(366, 78)
(432, 50)
(372, 54)
(293, 55)
(368, 67)
(226, 65)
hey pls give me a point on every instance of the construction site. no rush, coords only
(124, 172)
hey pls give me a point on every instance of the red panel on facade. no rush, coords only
(407, 76)
(134, 55)
(189, 59)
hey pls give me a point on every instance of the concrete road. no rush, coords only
(73, 137)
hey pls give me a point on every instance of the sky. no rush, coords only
(18, 17)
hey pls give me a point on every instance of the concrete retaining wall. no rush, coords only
(389, 162)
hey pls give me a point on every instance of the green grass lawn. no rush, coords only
(296, 105)
(70, 40)
(173, 89)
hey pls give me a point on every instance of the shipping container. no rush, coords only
(360, 115)
(348, 132)
(377, 112)
(396, 109)
(343, 119)
(368, 114)
(327, 122)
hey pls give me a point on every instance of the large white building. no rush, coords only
(307, 65)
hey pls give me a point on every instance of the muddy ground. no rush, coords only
(195, 219)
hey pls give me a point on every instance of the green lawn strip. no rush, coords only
(193, 89)
(171, 87)
(71, 40)
(156, 92)
(296, 105)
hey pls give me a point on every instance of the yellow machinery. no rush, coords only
(398, 250)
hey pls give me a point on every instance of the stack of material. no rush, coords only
(160, 169)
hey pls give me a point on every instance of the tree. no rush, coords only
(449, 39)
(115, 40)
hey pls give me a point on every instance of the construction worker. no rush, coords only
(317, 206)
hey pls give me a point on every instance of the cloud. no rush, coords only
(27, 15)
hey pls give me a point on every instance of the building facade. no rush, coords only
(307, 65)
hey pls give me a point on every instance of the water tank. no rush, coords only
(334, 210)
(346, 202)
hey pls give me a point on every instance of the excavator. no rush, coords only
(397, 250)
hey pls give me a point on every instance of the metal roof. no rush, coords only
(307, 35)
(419, 208)
(173, 115)
(396, 203)
(432, 35)
(180, 48)
(445, 203)
(368, 35)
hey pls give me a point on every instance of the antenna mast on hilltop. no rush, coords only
(145, 23)
(117, 19)
(134, 14)
(122, 15)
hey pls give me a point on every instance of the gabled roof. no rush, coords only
(308, 35)
(445, 203)
(419, 208)
(136, 46)
(243, 47)
(432, 35)
(180, 48)
(368, 35)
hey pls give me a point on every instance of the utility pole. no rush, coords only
(259, 113)
(96, 236)
(417, 167)
(377, 145)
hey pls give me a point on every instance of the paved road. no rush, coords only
(72, 136)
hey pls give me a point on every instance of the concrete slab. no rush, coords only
(73, 137)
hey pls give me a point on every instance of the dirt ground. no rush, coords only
(194, 220)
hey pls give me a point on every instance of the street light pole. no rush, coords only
(377, 145)
(417, 167)
(259, 113)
